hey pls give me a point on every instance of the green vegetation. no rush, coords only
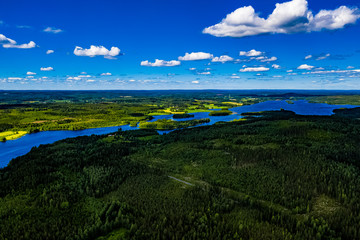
(337, 100)
(164, 124)
(185, 115)
(11, 135)
(349, 113)
(90, 109)
(224, 112)
(279, 176)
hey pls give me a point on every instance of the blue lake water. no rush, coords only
(15, 148)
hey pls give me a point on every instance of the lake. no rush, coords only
(15, 148)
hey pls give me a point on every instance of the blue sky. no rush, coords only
(231, 44)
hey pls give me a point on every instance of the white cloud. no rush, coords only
(30, 73)
(308, 57)
(204, 73)
(90, 80)
(251, 53)
(350, 67)
(255, 69)
(106, 74)
(31, 44)
(74, 78)
(97, 51)
(235, 77)
(46, 69)
(195, 82)
(160, 63)
(305, 67)
(49, 51)
(84, 76)
(222, 59)
(192, 69)
(275, 66)
(334, 19)
(323, 57)
(53, 30)
(5, 40)
(288, 17)
(196, 56)
(265, 59)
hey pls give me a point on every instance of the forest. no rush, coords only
(274, 176)
(163, 124)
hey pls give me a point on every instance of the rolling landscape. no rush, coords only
(251, 133)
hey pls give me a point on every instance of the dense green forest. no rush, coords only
(223, 112)
(278, 176)
(164, 124)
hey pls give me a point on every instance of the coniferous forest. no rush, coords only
(277, 176)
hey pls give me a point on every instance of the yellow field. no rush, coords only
(12, 135)
(233, 103)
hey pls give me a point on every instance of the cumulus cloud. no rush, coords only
(196, 56)
(30, 73)
(266, 59)
(192, 69)
(47, 69)
(49, 51)
(255, 69)
(31, 44)
(160, 63)
(10, 43)
(308, 57)
(288, 17)
(222, 59)
(251, 53)
(106, 74)
(305, 67)
(275, 66)
(195, 82)
(53, 30)
(97, 51)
